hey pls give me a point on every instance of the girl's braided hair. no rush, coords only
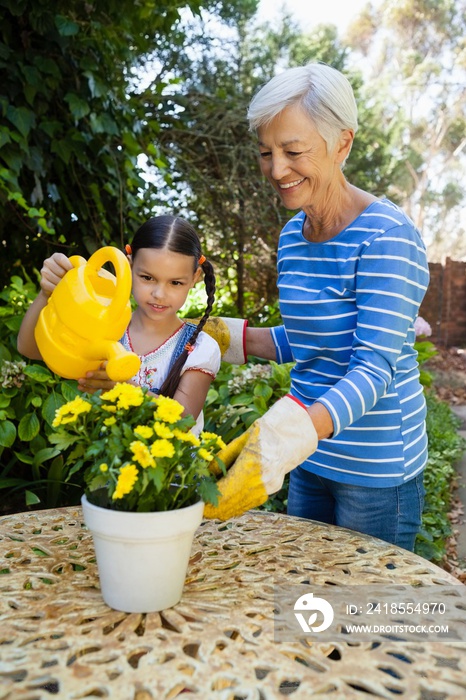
(178, 236)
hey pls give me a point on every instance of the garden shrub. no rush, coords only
(445, 447)
(425, 350)
(32, 473)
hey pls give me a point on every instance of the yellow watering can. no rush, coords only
(86, 315)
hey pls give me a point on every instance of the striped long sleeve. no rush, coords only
(348, 307)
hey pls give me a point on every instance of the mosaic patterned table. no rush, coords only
(58, 638)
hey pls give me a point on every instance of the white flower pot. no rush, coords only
(142, 558)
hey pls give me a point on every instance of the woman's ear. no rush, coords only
(344, 144)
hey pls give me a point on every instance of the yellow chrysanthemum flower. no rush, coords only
(208, 436)
(168, 410)
(70, 411)
(109, 407)
(213, 436)
(162, 448)
(162, 430)
(124, 395)
(126, 480)
(110, 421)
(205, 454)
(141, 454)
(186, 436)
(111, 394)
(143, 431)
(103, 467)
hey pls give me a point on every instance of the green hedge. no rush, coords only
(445, 448)
(32, 472)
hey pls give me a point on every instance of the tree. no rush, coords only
(71, 124)
(416, 50)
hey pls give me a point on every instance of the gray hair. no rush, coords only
(322, 91)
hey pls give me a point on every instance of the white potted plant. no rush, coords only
(147, 478)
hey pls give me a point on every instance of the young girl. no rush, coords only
(178, 359)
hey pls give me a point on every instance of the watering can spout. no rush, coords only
(85, 317)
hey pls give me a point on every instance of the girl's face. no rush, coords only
(161, 281)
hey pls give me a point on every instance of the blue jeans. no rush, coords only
(392, 514)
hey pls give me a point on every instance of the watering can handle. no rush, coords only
(122, 272)
(77, 260)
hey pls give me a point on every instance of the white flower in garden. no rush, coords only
(12, 374)
(421, 327)
(245, 377)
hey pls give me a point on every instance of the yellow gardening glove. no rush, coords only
(230, 334)
(257, 461)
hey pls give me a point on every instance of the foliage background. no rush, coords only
(71, 123)
(111, 111)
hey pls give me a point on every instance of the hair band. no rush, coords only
(189, 348)
(128, 249)
(202, 259)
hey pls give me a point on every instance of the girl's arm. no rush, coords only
(26, 342)
(54, 268)
(192, 391)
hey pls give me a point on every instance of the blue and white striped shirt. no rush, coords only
(348, 307)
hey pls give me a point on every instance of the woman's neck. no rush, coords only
(342, 205)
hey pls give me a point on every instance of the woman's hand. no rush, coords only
(258, 460)
(237, 339)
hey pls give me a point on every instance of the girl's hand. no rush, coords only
(53, 269)
(98, 379)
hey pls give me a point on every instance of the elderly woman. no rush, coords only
(352, 272)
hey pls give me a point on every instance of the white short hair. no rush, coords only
(322, 91)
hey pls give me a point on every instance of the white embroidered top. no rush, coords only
(156, 364)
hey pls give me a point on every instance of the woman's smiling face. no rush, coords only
(294, 158)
